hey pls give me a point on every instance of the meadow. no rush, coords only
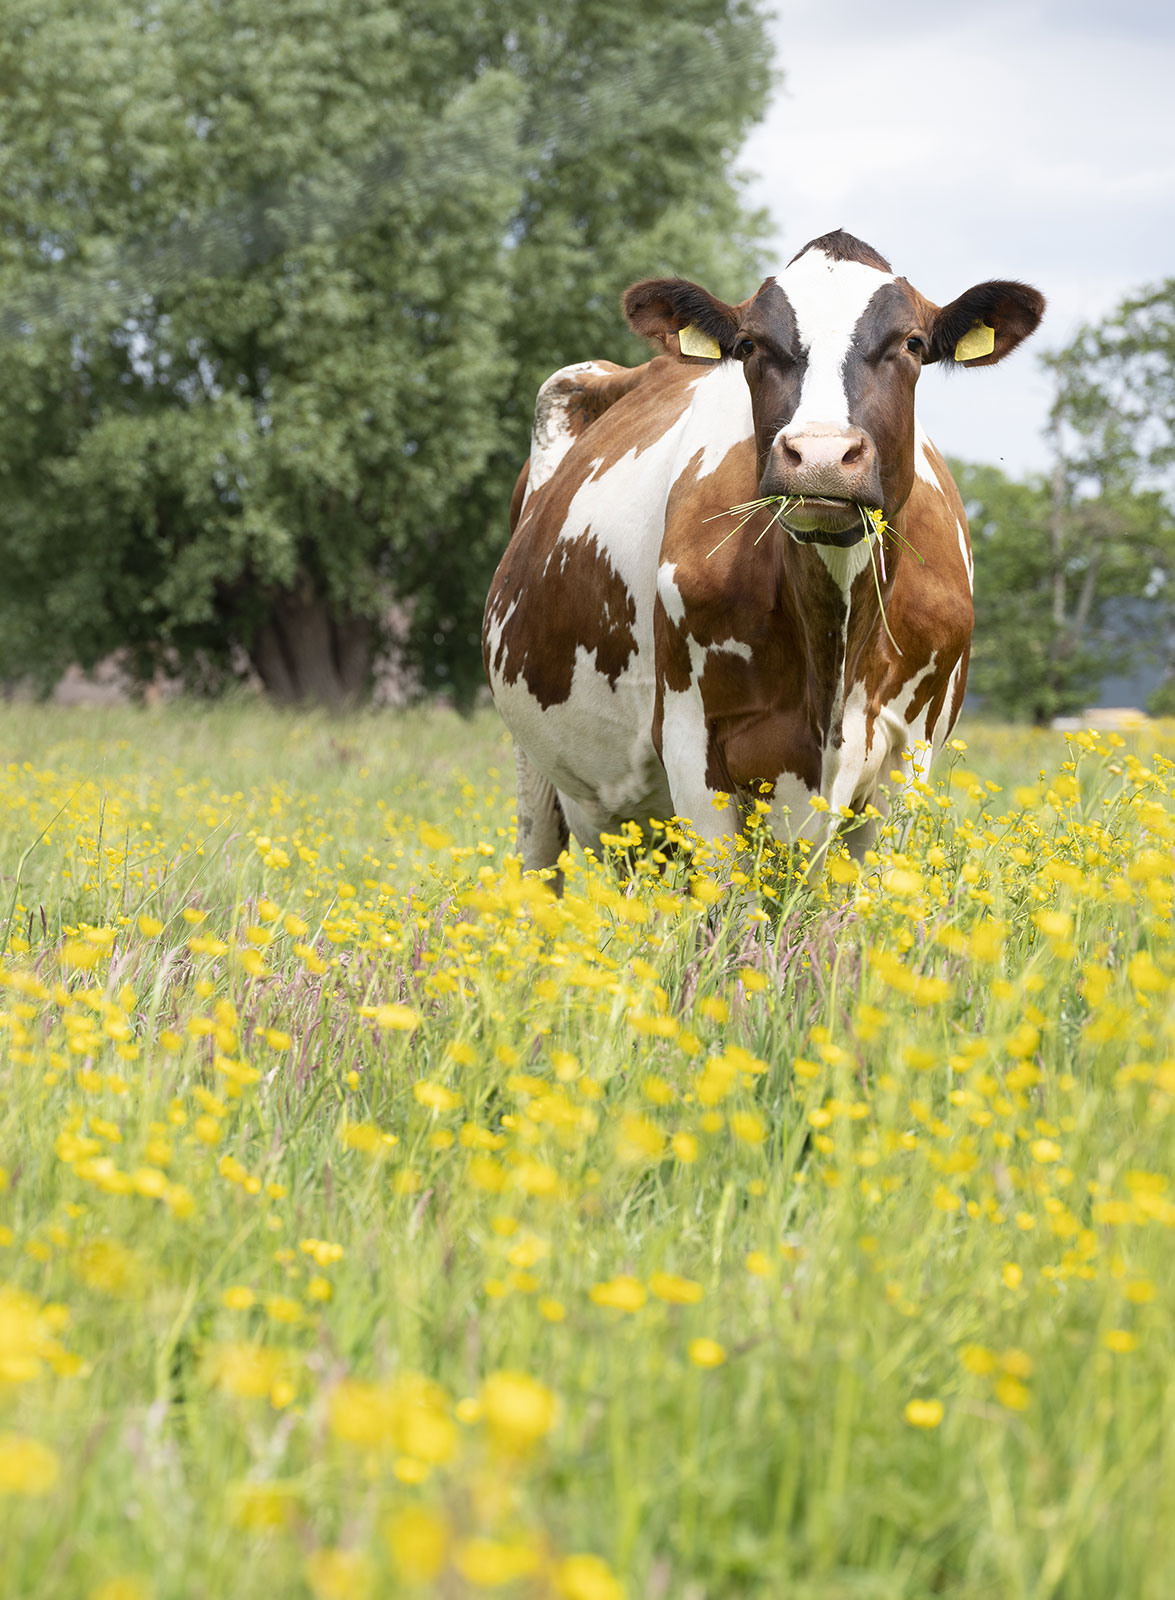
(373, 1223)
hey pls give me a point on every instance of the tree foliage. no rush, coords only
(1059, 577)
(1114, 426)
(277, 285)
(1114, 413)
(1075, 571)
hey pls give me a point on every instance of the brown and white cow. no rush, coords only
(649, 666)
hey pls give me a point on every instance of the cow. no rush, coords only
(657, 652)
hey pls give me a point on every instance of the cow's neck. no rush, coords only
(835, 598)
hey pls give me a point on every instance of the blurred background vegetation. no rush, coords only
(278, 283)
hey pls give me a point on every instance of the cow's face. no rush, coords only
(832, 350)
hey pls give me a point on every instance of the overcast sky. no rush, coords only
(1027, 140)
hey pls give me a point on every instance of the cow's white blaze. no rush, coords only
(828, 298)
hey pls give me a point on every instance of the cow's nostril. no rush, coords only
(824, 450)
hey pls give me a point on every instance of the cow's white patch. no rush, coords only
(551, 437)
(685, 747)
(942, 726)
(669, 592)
(734, 647)
(894, 716)
(844, 566)
(792, 816)
(719, 419)
(828, 298)
(846, 769)
(965, 552)
(923, 465)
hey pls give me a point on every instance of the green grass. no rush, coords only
(822, 1236)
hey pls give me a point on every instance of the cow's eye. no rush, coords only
(744, 348)
(916, 344)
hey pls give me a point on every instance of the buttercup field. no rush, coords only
(587, 998)
(374, 1223)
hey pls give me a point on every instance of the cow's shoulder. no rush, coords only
(567, 405)
(715, 562)
(592, 418)
(932, 594)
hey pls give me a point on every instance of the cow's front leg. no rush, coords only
(690, 760)
(683, 729)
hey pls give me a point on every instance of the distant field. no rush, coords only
(373, 1224)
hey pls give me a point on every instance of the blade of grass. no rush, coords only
(872, 527)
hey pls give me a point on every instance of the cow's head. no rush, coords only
(832, 349)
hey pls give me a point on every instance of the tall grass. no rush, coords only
(373, 1223)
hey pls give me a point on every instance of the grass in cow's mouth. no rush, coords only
(875, 523)
(876, 527)
(782, 502)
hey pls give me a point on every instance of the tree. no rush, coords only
(1058, 575)
(278, 284)
(1114, 421)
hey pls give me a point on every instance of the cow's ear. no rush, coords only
(659, 308)
(984, 325)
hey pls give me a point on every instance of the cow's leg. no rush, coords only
(685, 753)
(542, 827)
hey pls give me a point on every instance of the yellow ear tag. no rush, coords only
(694, 342)
(977, 341)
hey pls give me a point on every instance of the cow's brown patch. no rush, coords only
(586, 606)
(551, 596)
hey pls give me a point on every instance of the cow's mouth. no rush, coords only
(824, 520)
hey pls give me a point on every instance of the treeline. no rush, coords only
(1075, 569)
(278, 283)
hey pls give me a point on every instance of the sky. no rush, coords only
(965, 142)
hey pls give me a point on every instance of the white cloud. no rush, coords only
(1032, 142)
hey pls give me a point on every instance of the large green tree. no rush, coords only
(277, 285)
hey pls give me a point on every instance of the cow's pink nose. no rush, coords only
(815, 449)
(824, 461)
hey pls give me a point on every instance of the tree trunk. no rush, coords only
(302, 653)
